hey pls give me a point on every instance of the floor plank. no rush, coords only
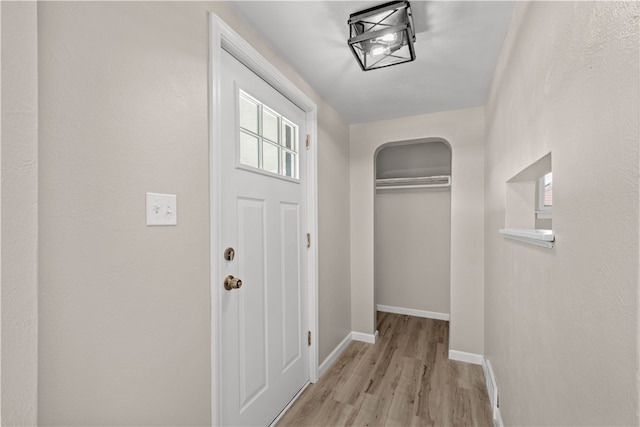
(405, 379)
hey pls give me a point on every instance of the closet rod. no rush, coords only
(417, 182)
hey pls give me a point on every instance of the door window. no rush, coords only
(268, 141)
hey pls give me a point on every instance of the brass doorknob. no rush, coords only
(231, 282)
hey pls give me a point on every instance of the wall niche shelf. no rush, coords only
(532, 236)
(417, 182)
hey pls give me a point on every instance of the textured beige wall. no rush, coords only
(562, 324)
(334, 287)
(464, 130)
(125, 309)
(19, 214)
(413, 248)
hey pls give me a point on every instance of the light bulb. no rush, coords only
(389, 37)
(378, 50)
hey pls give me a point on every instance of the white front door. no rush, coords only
(265, 357)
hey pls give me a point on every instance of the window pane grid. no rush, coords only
(271, 162)
(268, 141)
(289, 164)
(249, 149)
(249, 114)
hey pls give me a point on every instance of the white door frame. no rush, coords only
(222, 36)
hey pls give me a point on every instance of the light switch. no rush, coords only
(162, 209)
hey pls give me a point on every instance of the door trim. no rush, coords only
(222, 36)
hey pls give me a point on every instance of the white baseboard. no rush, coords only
(359, 336)
(492, 386)
(497, 419)
(463, 356)
(333, 356)
(413, 312)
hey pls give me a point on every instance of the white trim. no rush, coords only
(222, 36)
(532, 236)
(335, 354)
(413, 312)
(497, 419)
(488, 382)
(368, 338)
(463, 356)
(290, 404)
(492, 386)
(312, 222)
(546, 214)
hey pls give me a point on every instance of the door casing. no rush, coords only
(222, 36)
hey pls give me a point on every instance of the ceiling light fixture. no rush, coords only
(382, 35)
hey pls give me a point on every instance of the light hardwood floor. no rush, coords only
(405, 379)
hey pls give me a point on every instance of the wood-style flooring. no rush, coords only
(405, 379)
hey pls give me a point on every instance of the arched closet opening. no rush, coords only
(413, 228)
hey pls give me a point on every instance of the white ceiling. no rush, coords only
(457, 46)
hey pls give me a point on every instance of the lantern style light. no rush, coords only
(382, 35)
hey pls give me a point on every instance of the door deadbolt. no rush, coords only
(229, 254)
(231, 282)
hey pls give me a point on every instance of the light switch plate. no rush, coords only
(162, 209)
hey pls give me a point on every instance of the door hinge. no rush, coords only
(309, 338)
(308, 240)
(308, 141)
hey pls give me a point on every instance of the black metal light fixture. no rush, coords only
(382, 35)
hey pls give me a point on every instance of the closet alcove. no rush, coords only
(413, 228)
